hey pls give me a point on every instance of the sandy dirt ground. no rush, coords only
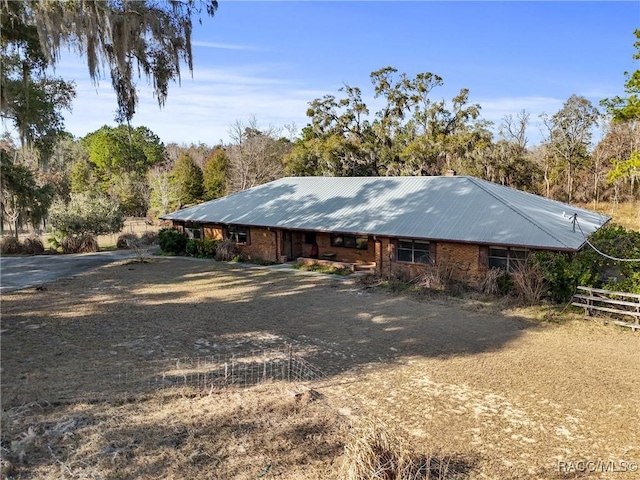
(512, 398)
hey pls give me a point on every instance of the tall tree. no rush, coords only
(410, 135)
(187, 177)
(164, 191)
(569, 136)
(215, 175)
(125, 38)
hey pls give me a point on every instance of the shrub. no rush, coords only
(437, 277)
(149, 238)
(70, 244)
(226, 251)
(33, 246)
(489, 284)
(528, 282)
(127, 240)
(11, 245)
(87, 243)
(191, 248)
(207, 247)
(172, 241)
(504, 282)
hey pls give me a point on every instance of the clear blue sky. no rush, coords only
(269, 59)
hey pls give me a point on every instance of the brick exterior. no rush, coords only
(465, 259)
(469, 266)
(261, 246)
(468, 261)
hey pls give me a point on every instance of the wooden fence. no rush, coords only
(617, 306)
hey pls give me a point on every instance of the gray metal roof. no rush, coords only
(459, 208)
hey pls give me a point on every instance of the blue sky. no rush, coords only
(269, 59)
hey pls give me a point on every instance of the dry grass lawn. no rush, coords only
(494, 394)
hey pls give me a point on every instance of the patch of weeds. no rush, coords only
(319, 268)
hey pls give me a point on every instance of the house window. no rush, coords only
(506, 258)
(310, 238)
(237, 234)
(413, 251)
(193, 232)
(361, 242)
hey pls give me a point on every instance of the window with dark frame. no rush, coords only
(237, 234)
(309, 238)
(412, 251)
(506, 258)
(193, 232)
(361, 242)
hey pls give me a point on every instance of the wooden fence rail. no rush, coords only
(619, 306)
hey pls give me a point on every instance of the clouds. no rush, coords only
(203, 108)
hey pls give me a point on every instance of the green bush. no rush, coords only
(563, 272)
(504, 283)
(207, 247)
(172, 241)
(191, 248)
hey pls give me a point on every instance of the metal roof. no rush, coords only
(458, 208)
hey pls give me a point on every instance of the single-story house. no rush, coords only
(391, 222)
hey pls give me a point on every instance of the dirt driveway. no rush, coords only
(515, 397)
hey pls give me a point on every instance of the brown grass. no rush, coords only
(626, 214)
(263, 432)
(501, 395)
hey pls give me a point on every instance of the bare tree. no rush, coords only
(164, 193)
(255, 155)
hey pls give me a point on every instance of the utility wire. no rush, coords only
(576, 223)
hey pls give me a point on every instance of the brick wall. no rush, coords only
(262, 245)
(466, 261)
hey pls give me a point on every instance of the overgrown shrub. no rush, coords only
(528, 282)
(81, 244)
(149, 238)
(70, 244)
(33, 246)
(489, 283)
(563, 272)
(172, 241)
(437, 277)
(87, 243)
(226, 250)
(127, 240)
(11, 245)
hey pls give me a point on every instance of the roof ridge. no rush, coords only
(498, 197)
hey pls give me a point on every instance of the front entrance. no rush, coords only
(287, 244)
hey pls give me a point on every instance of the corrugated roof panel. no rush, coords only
(459, 208)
